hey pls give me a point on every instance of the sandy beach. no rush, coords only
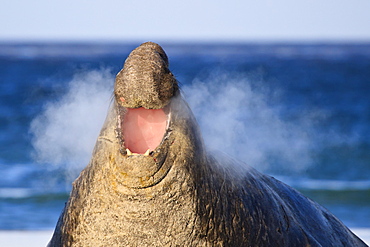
(41, 238)
(24, 238)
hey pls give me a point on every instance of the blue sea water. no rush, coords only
(299, 112)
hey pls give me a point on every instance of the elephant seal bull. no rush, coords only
(150, 181)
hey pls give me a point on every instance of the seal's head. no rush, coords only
(145, 80)
(144, 131)
(143, 90)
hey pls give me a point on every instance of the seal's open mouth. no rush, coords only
(143, 129)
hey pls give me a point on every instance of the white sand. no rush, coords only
(363, 233)
(41, 238)
(24, 238)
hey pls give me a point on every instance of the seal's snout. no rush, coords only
(145, 80)
(143, 89)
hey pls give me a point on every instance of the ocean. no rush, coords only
(298, 112)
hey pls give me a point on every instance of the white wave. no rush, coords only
(325, 184)
(16, 193)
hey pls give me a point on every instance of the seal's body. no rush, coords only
(150, 181)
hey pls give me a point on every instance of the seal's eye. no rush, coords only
(143, 129)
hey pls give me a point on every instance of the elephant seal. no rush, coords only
(150, 181)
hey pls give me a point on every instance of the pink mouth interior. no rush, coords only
(143, 129)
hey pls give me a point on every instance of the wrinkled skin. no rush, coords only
(178, 194)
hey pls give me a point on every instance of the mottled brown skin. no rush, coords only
(180, 195)
(145, 80)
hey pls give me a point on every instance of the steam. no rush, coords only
(235, 117)
(65, 133)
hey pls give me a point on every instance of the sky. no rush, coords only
(197, 20)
